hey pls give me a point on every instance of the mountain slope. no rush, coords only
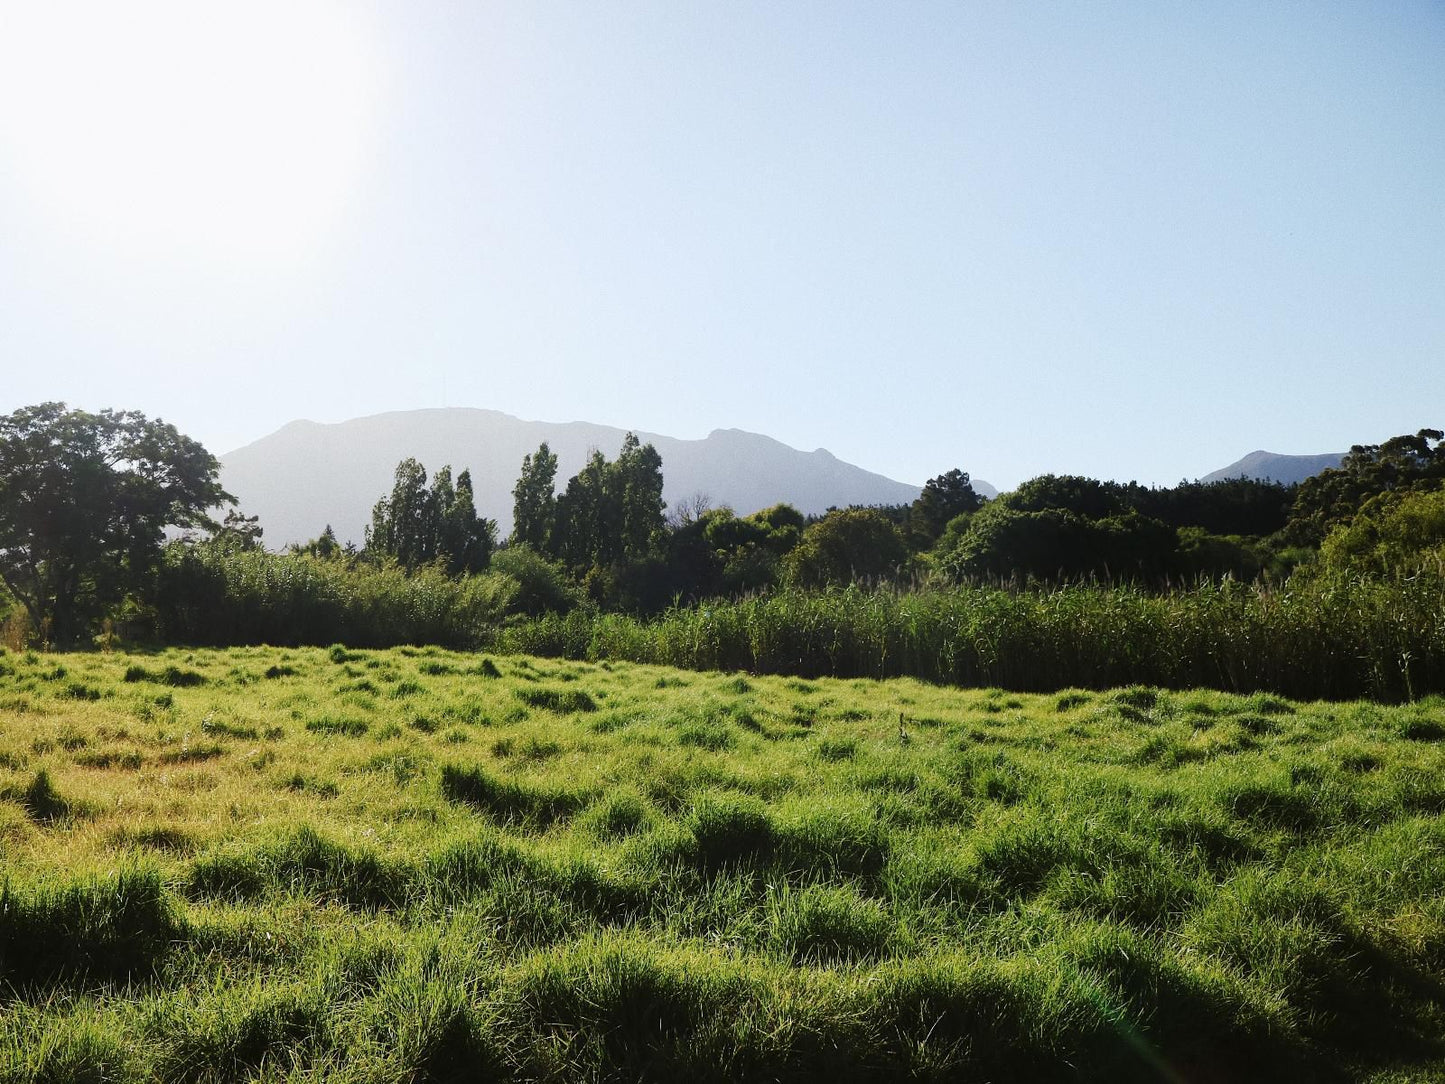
(1274, 467)
(307, 475)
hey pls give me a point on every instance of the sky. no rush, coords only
(1126, 240)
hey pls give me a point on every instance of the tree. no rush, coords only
(464, 539)
(847, 545)
(401, 525)
(324, 546)
(943, 499)
(237, 532)
(1402, 464)
(579, 533)
(84, 503)
(1395, 532)
(636, 492)
(418, 524)
(610, 512)
(534, 499)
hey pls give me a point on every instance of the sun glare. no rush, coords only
(217, 130)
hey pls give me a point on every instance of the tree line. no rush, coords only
(86, 500)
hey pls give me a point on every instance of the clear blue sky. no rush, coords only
(1124, 240)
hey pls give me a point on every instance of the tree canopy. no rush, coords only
(1407, 463)
(84, 503)
(419, 524)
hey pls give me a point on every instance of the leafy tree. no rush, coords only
(943, 499)
(1233, 506)
(1087, 497)
(635, 490)
(84, 503)
(464, 539)
(1395, 532)
(237, 532)
(1054, 543)
(418, 524)
(403, 525)
(611, 512)
(1333, 497)
(534, 499)
(580, 535)
(847, 545)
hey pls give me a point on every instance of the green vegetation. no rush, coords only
(424, 525)
(1333, 637)
(409, 864)
(84, 503)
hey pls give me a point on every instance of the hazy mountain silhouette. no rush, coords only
(1273, 467)
(306, 474)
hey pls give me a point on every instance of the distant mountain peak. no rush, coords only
(1274, 467)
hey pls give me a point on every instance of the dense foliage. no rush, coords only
(84, 503)
(420, 525)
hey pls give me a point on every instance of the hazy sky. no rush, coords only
(1124, 240)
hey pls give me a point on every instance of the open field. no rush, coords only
(413, 864)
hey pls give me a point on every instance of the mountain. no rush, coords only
(1273, 467)
(306, 474)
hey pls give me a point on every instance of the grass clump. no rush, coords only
(347, 726)
(114, 929)
(508, 800)
(561, 701)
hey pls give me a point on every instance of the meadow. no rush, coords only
(415, 864)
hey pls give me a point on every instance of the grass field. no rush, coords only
(417, 865)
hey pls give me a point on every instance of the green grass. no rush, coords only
(411, 864)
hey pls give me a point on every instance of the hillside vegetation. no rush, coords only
(419, 865)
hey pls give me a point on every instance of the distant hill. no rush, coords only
(306, 474)
(1273, 467)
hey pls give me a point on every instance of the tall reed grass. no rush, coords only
(225, 599)
(1328, 638)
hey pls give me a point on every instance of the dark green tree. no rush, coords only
(84, 503)
(1407, 463)
(943, 499)
(237, 532)
(534, 500)
(403, 525)
(464, 539)
(579, 535)
(418, 524)
(845, 546)
(324, 546)
(611, 513)
(635, 492)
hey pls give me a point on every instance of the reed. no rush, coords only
(1326, 638)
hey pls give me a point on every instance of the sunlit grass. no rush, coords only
(414, 864)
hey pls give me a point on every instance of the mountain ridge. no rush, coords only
(307, 474)
(1276, 467)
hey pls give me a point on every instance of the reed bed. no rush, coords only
(1328, 638)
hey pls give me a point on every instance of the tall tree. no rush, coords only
(579, 536)
(611, 513)
(418, 524)
(403, 524)
(636, 495)
(534, 499)
(465, 539)
(943, 498)
(84, 503)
